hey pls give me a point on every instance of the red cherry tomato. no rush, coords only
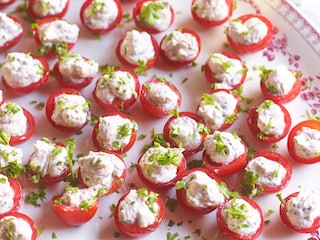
(141, 21)
(179, 63)
(150, 106)
(107, 28)
(10, 43)
(2, 97)
(313, 124)
(284, 217)
(24, 218)
(33, 86)
(250, 48)
(134, 230)
(5, 4)
(50, 106)
(252, 121)
(118, 104)
(17, 197)
(221, 221)
(35, 15)
(205, 21)
(181, 193)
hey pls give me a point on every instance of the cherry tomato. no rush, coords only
(13, 41)
(221, 221)
(24, 218)
(106, 28)
(17, 197)
(152, 107)
(313, 124)
(250, 48)
(118, 104)
(134, 230)
(5, 4)
(34, 15)
(2, 97)
(252, 121)
(179, 63)
(143, 22)
(33, 86)
(206, 21)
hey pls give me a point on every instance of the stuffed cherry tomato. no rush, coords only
(159, 97)
(225, 71)
(115, 132)
(185, 130)
(153, 16)
(16, 225)
(64, 38)
(269, 122)
(211, 13)
(199, 191)
(11, 194)
(67, 110)
(50, 161)
(23, 73)
(117, 89)
(180, 47)
(17, 122)
(105, 170)
(138, 50)
(10, 158)
(304, 141)
(74, 71)
(224, 153)
(240, 219)
(266, 172)
(280, 84)
(219, 108)
(5, 3)
(139, 212)
(38, 9)
(300, 211)
(11, 31)
(160, 167)
(101, 16)
(249, 33)
(76, 206)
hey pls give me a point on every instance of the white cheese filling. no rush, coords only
(6, 195)
(307, 142)
(219, 111)
(100, 169)
(303, 209)
(179, 46)
(46, 8)
(271, 173)
(249, 32)
(17, 227)
(162, 96)
(21, 70)
(202, 191)
(223, 147)
(70, 110)
(12, 119)
(137, 47)
(211, 10)
(77, 197)
(100, 14)
(10, 154)
(9, 29)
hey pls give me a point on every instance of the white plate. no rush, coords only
(296, 44)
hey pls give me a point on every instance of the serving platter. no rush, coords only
(296, 44)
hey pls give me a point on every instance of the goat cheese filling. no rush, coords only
(12, 119)
(46, 8)
(6, 195)
(9, 29)
(76, 197)
(9, 154)
(307, 142)
(15, 228)
(211, 10)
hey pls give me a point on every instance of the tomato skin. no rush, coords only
(252, 120)
(181, 193)
(232, 235)
(314, 124)
(2, 97)
(35, 16)
(177, 63)
(109, 28)
(17, 198)
(136, 12)
(211, 23)
(2, 5)
(13, 41)
(118, 104)
(25, 218)
(134, 230)
(72, 215)
(286, 221)
(149, 106)
(251, 48)
(50, 105)
(34, 86)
